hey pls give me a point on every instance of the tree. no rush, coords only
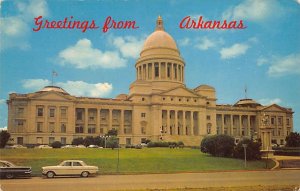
(218, 145)
(89, 140)
(293, 140)
(112, 142)
(77, 141)
(56, 144)
(4, 137)
(252, 150)
(112, 132)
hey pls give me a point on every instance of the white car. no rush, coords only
(70, 168)
(43, 147)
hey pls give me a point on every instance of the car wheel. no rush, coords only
(85, 174)
(9, 175)
(50, 174)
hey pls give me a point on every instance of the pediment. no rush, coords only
(180, 91)
(54, 96)
(274, 108)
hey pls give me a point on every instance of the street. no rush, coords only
(156, 181)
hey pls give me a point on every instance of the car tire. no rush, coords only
(50, 174)
(85, 174)
(9, 175)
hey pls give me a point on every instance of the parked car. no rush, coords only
(70, 168)
(43, 147)
(68, 147)
(18, 147)
(80, 146)
(93, 146)
(9, 170)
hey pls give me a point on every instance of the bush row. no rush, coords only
(165, 144)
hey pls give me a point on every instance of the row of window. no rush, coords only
(51, 127)
(51, 112)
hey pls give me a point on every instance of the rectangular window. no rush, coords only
(156, 70)
(175, 71)
(63, 128)
(63, 113)
(79, 129)
(40, 112)
(169, 71)
(272, 120)
(79, 115)
(288, 121)
(19, 123)
(63, 140)
(208, 117)
(51, 127)
(20, 140)
(128, 141)
(143, 115)
(51, 140)
(39, 127)
(51, 112)
(279, 120)
(91, 129)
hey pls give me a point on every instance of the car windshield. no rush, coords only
(7, 164)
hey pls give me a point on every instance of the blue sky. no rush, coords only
(264, 57)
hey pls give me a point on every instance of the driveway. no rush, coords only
(156, 181)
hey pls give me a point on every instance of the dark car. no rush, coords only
(9, 170)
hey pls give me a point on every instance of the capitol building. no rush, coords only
(158, 107)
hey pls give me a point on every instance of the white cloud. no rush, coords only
(3, 128)
(2, 101)
(129, 46)
(14, 30)
(80, 88)
(184, 42)
(76, 88)
(205, 43)
(254, 10)
(82, 55)
(262, 61)
(35, 84)
(298, 1)
(233, 51)
(268, 101)
(281, 66)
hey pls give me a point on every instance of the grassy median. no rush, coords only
(131, 161)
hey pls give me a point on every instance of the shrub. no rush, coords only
(4, 137)
(293, 140)
(56, 144)
(112, 142)
(158, 144)
(218, 145)
(252, 150)
(77, 141)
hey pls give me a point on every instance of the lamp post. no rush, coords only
(245, 153)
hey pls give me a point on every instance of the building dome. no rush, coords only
(53, 88)
(247, 103)
(159, 42)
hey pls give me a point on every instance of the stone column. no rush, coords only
(110, 119)
(86, 120)
(97, 121)
(199, 124)
(159, 70)
(121, 131)
(192, 123)
(223, 123)
(168, 122)
(153, 71)
(183, 123)
(248, 126)
(172, 71)
(176, 122)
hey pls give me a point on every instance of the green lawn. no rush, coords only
(146, 160)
